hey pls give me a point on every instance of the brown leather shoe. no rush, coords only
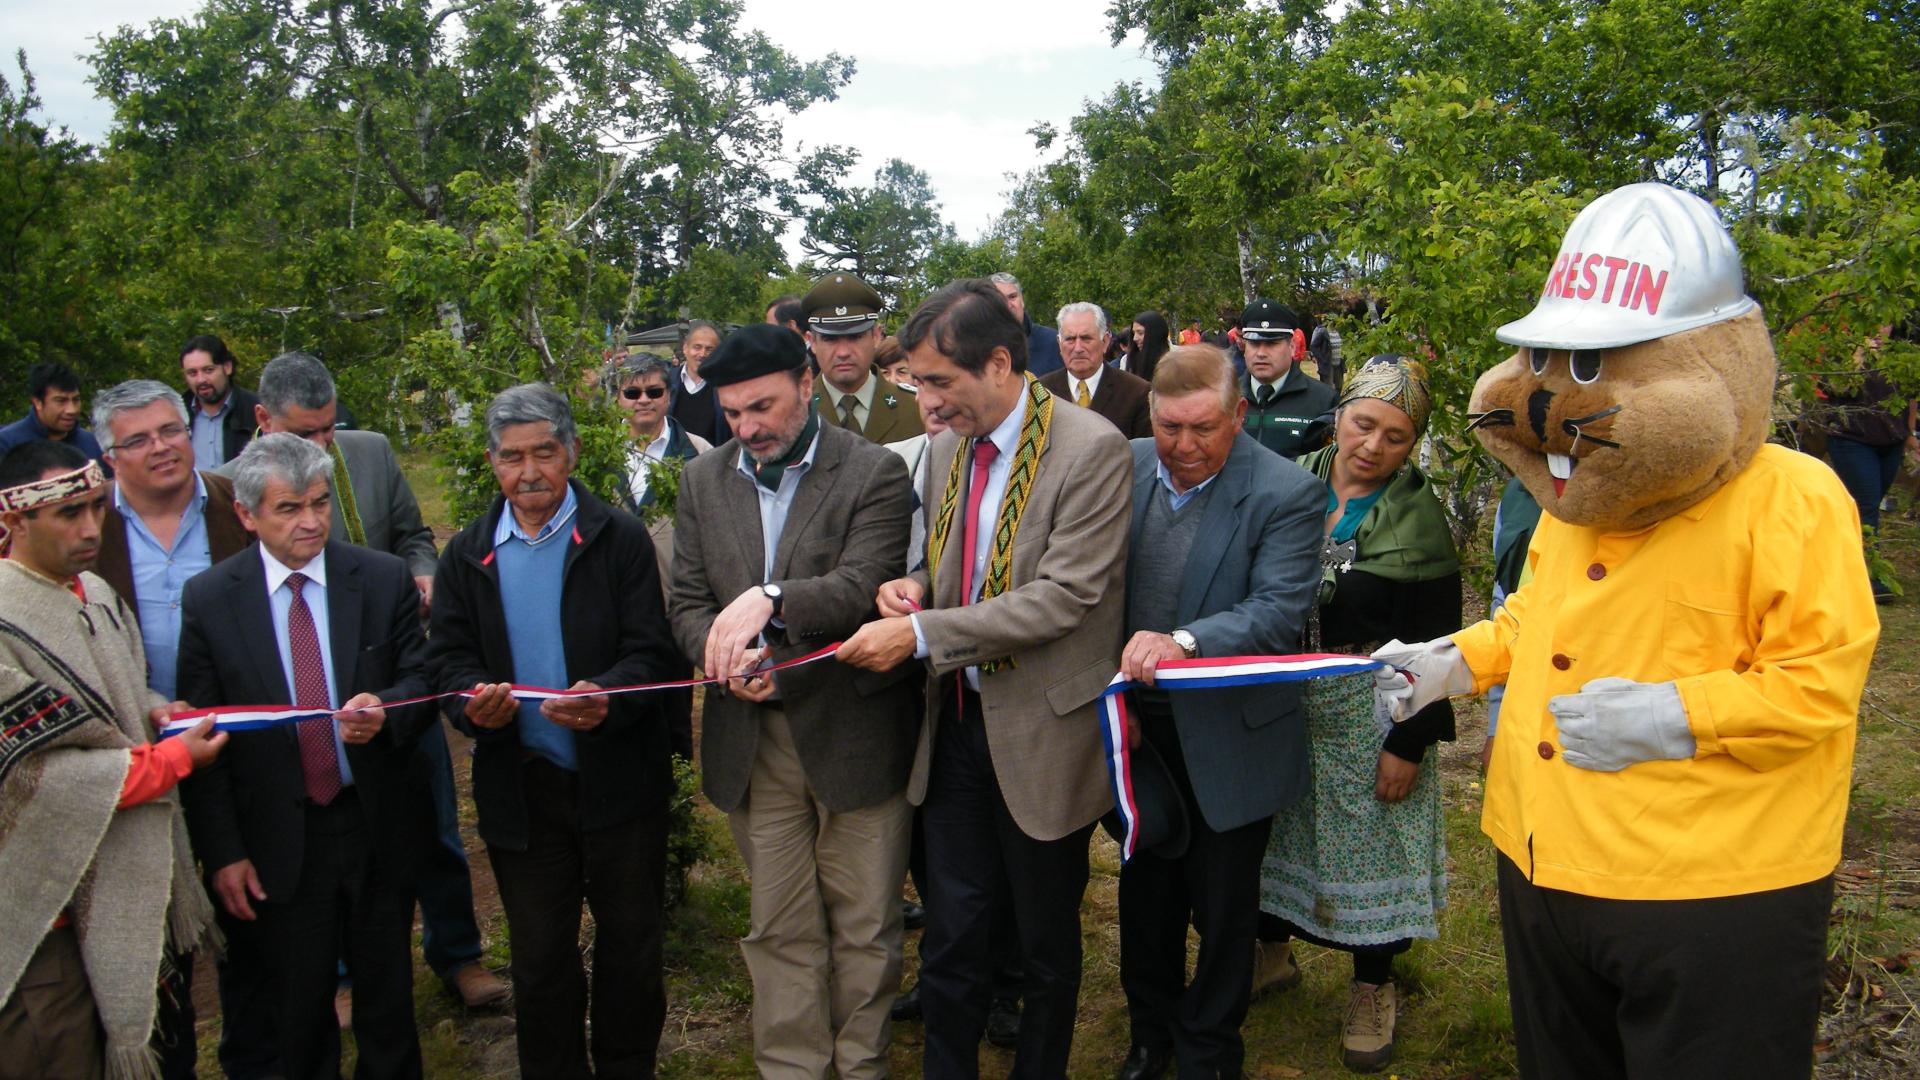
(479, 987)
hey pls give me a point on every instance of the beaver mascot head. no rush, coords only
(1644, 375)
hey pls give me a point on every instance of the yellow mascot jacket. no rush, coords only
(1755, 602)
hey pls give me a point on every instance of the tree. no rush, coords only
(881, 233)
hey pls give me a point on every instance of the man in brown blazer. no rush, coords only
(782, 538)
(1087, 381)
(165, 524)
(843, 329)
(1019, 617)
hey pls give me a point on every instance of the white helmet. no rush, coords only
(1640, 262)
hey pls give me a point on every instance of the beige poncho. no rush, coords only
(73, 701)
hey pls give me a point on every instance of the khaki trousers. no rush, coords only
(824, 948)
(48, 1027)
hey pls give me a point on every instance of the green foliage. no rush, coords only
(882, 233)
(689, 842)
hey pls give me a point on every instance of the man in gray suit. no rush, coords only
(1224, 562)
(782, 538)
(1021, 628)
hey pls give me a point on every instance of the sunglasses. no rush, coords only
(653, 393)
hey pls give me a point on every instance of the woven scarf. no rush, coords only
(1026, 463)
(343, 491)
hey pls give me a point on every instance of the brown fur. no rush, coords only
(1694, 412)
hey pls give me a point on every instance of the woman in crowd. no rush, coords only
(693, 401)
(890, 360)
(656, 437)
(1869, 428)
(1149, 343)
(1359, 865)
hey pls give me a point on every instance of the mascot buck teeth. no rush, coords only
(1683, 671)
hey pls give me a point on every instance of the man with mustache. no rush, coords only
(783, 536)
(843, 329)
(572, 791)
(223, 420)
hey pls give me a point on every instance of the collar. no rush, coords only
(1092, 381)
(226, 404)
(1006, 437)
(745, 463)
(693, 383)
(509, 526)
(1166, 480)
(1276, 384)
(656, 449)
(199, 497)
(277, 571)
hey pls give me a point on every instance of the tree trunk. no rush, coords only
(1249, 288)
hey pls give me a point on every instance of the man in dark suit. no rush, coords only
(165, 524)
(1288, 411)
(303, 826)
(1043, 342)
(572, 792)
(1021, 629)
(1088, 382)
(223, 418)
(1223, 561)
(783, 537)
(843, 329)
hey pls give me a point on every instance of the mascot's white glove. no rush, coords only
(1438, 671)
(1613, 723)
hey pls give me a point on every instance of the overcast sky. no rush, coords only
(951, 88)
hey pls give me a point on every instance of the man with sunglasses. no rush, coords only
(165, 523)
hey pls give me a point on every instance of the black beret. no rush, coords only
(754, 350)
(1264, 320)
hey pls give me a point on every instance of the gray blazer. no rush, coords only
(845, 535)
(1247, 586)
(387, 507)
(1060, 620)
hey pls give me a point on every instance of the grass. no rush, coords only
(1454, 1020)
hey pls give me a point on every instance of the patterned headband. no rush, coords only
(54, 489)
(1397, 381)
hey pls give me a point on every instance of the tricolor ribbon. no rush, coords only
(255, 717)
(1205, 673)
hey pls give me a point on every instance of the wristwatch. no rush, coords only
(774, 593)
(1187, 642)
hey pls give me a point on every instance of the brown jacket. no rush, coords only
(225, 536)
(1120, 397)
(1061, 621)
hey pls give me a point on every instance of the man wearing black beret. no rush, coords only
(783, 538)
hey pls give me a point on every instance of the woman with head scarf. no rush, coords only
(1149, 343)
(1359, 865)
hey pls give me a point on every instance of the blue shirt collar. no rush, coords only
(509, 526)
(1180, 497)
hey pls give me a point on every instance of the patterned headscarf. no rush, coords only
(1397, 381)
(51, 489)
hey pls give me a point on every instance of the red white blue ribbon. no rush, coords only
(255, 717)
(1204, 673)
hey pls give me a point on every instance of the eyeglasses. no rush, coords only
(141, 443)
(653, 393)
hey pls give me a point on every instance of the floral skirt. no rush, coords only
(1342, 865)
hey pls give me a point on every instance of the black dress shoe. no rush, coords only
(1144, 1064)
(906, 1006)
(914, 915)
(1003, 1023)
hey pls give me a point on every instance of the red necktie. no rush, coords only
(983, 454)
(319, 762)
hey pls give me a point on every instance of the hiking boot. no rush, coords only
(1366, 1038)
(1273, 967)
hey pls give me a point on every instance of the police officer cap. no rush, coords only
(841, 304)
(752, 351)
(1264, 320)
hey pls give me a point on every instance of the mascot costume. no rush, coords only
(1683, 670)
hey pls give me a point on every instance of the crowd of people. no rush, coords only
(990, 516)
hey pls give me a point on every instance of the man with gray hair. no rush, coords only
(1043, 344)
(165, 524)
(373, 505)
(572, 791)
(307, 834)
(1088, 382)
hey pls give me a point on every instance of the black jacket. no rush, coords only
(615, 627)
(1295, 421)
(237, 428)
(249, 803)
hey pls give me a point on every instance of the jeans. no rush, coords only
(1867, 472)
(449, 936)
